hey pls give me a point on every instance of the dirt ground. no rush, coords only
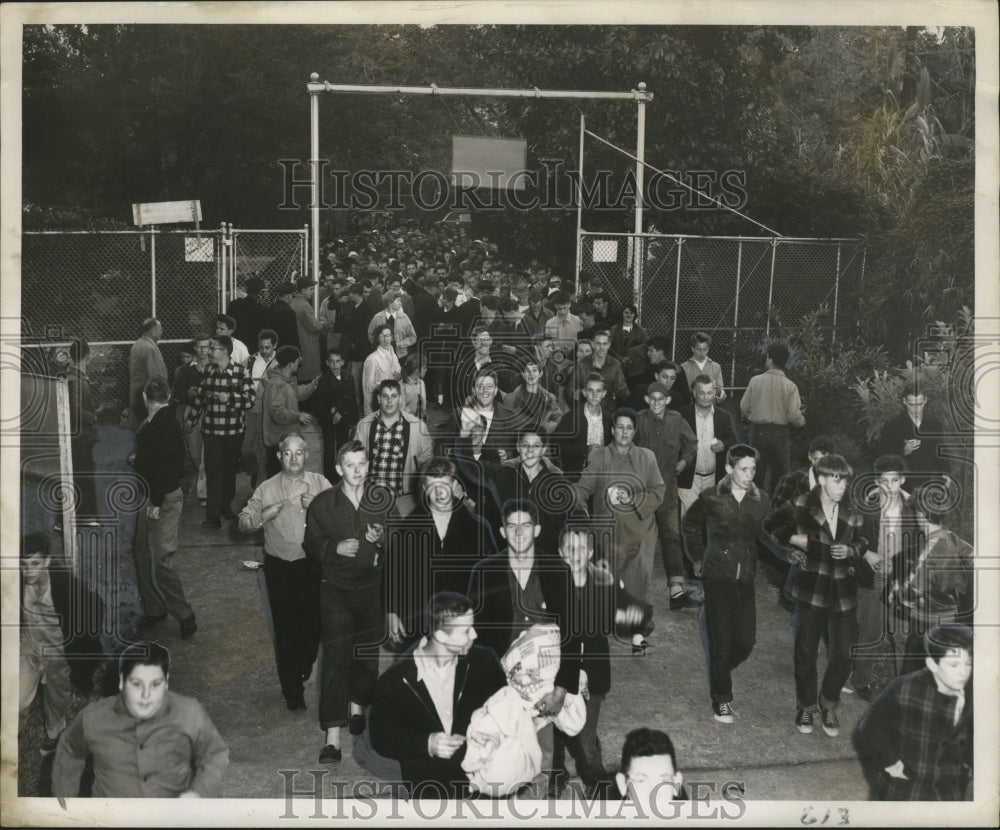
(229, 666)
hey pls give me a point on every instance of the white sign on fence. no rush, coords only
(605, 250)
(162, 213)
(197, 249)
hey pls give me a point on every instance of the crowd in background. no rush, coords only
(446, 444)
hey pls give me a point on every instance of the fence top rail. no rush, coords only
(299, 231)
(59, 344)
(769, 239)
(136, 232)
(152, 229)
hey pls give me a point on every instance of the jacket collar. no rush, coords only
(726, 489)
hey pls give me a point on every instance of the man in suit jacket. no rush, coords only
(425, 700)
(716, 432)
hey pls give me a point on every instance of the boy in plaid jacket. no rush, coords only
(822, 533)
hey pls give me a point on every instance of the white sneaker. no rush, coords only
(723, 712)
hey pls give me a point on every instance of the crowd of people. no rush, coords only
(445, 452)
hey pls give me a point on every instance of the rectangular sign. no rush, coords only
(162, 213)
(199, 250)
(605, 250)
(492, 163)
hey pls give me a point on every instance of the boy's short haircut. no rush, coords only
(701, 337)
(702, 380)
(644, 743)
(186, 348)
(512, 506)
(778, 352)
(226, 342)
(439, 467)
(822, 443)
(596, 377)
(268, 334)
(445, 606)
(738, 451)
(559, 297)
(229, 321)
(833, 465)
(490, 301)
(540, 433)
(945, 638)
(351, 446)
(659, 342)
(625, 412)
(535, 296)
(388, 383)
(587, 309)
(477, 330)
(32, 543)
(584, 530)
(889, 463)
(143, 654)
(336, 350)
(157, 389)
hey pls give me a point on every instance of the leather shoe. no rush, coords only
(639, 649)
(188, 627)
(684, 600)
(295, 704)
(330, 754)
(149, 621)
(356, 725)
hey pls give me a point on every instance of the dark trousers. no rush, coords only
(83, 476)
(293, 598)
(771, 441)
(222, 456)
(353, 627)
(810, 627)
(585, 747)
(272, 464)
(729, 616)
(668, 526)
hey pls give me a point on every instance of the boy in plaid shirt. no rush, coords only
(822, 533)
(226, 391)
(920, 729)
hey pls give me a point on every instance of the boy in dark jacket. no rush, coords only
(159, 460)
(425, 700)
(721, 530)
(596, 609)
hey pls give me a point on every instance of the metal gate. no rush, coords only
(741, 290)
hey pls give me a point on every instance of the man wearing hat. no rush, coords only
(247, 310)
(280, 318)
(309, 328)
(675, 446)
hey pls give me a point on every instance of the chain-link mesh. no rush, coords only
(738, 290)
(101, 286)
(274, 256)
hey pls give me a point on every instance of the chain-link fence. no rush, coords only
(100, 286)
(738, 289)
